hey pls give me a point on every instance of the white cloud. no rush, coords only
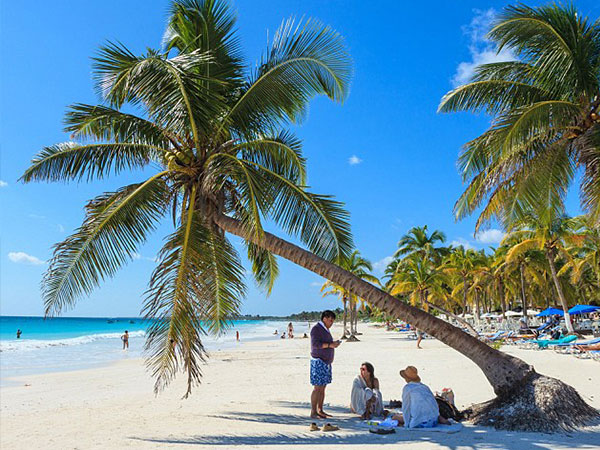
(24, 258)
(3, 184)
(317, 284)
(61, 229)
(354, 160)
(380, 265)
(492, 236)
(481, 49)
(462, 241)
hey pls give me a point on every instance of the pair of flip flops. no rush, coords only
(326, 427)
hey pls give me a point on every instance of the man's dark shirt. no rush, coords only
(318, 336)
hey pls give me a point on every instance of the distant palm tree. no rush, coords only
(359, 267)
(551, 234)
(461, 263)
(417, 241)
(546, 118)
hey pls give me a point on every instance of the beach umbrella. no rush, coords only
(583, 309)
(513, 313)
(550, 312)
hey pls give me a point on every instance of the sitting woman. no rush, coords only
(419, 407)
(366, 398)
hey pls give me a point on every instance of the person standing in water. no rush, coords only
(125, 339)
(19, 332)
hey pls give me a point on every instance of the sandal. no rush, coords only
(314, 427)
(329, 427)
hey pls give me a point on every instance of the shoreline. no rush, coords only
(258, 394)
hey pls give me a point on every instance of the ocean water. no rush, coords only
(61, 344)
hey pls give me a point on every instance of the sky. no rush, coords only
(386, 152)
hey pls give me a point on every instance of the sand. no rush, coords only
(257, 395)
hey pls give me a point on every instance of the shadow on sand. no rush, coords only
(353, 432)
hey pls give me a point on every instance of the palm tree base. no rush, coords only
(541, 404)
(353, 339)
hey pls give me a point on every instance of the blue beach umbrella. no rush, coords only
(583, 309)
(550, 312)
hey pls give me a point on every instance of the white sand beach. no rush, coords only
(257, 395)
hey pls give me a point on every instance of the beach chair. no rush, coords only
(569, 348)
(545, 343)
(595, 354)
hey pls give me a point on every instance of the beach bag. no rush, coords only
(447, 410)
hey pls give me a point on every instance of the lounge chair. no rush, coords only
(545, 343)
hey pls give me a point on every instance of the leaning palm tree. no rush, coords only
(546, 118)
(213, 131)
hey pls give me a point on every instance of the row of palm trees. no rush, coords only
(538, 264)
(542, 261)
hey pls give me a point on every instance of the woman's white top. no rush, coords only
(361, 393)
(419, 407)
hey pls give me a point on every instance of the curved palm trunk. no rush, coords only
(523, 298)
(525, 400)
(561, 296)
(502, 299)
(504, 372)
(465, 288)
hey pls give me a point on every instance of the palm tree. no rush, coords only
(224, 164)
(546, 118)
(550, 233)
(461, 263)
(359, 267)
(417, 241)
(527, 264)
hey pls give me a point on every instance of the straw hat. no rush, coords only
(410, 374)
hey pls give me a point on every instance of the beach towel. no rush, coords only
(439, 428)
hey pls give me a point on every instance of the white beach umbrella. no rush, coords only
(513, 313)
(532, 312)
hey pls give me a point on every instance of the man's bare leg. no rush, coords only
(314, 401)
(320, 411)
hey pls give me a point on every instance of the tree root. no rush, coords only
(541, 404)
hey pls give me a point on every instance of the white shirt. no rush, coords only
(418, 405)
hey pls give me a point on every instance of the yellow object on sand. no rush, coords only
(329, 427)
(314, 427)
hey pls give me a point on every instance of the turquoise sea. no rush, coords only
(71, 343)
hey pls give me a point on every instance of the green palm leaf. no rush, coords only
(115, 225)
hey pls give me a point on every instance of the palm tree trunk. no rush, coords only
(502, 299)
(504, 372)
(561, 296)
(517, 386)
(477, 319)
(465, 288)
(523, 298)
(345, 300)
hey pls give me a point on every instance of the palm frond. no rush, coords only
(264, 266)
(305, 59)
(116, 223)
(72, 161)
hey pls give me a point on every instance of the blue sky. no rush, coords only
(386, 152)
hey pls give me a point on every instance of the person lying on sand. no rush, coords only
(366, 399)
(419, 407)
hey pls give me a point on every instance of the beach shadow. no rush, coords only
(354, 432)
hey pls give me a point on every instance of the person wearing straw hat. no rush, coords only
(419, 407)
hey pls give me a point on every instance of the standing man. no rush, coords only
(125, 339)
(321, 351)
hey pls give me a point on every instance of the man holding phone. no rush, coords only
(322, 348)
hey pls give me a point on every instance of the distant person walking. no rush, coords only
(125, 339)
(290, 329)
(237, 336)
(321, 351)
(19, 332)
